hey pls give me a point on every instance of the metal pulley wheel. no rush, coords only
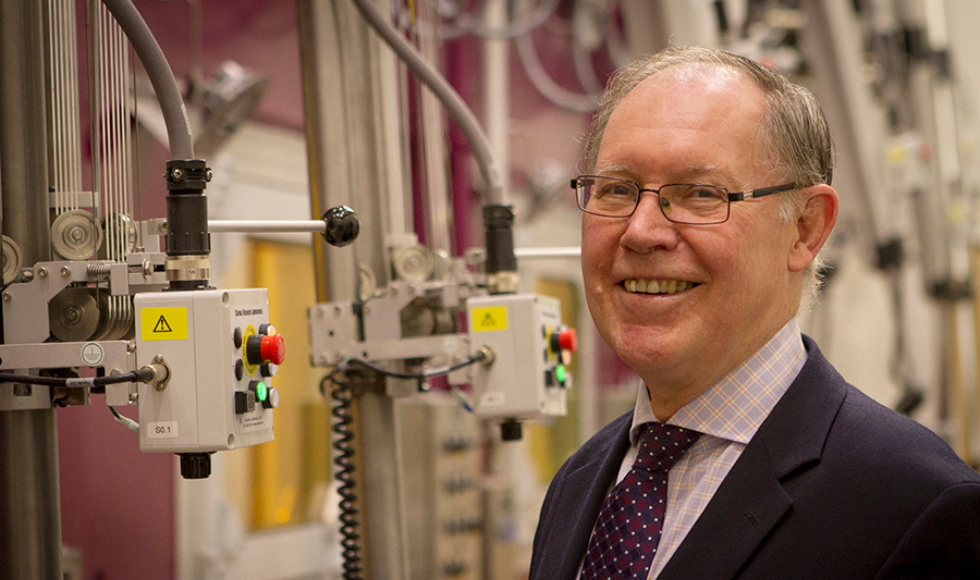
(117, 317)
(73, 315)
(11, 260)
(414, 263)
(76, 235)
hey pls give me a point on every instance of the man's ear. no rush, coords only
(814, 225)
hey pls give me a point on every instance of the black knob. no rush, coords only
(195, 465)
(342, 226)
(510, 430)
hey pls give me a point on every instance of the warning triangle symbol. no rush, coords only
(162, 325)
(488, 321)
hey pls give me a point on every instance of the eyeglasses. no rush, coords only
(682, 203)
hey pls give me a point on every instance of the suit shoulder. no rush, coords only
(879, 438)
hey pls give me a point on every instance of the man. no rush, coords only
(789, 472)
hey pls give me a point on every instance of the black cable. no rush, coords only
(126, 421)
(480, 356)
(140, 376)
(343, 396)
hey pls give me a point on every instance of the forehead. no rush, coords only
(705, 117)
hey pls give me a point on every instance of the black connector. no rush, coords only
(498, 224)
(187, 208)
(890, 254)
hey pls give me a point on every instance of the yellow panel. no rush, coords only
(168, 323)
(288, 478)
(551, 445)
(489, 319)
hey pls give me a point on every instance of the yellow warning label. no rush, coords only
(489, 319)
(163, 323)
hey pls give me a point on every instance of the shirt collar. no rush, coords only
(735, 407)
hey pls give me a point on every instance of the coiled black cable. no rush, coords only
(342, 394)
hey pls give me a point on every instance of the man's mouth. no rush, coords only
(638, 286)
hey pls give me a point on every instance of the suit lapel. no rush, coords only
(582, 495)
(751, 501)
(740, 515)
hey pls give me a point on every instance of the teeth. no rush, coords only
(657, 286)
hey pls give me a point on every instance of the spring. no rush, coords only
(99, 271)
(342, 394)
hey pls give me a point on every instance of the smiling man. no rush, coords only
(705, 204)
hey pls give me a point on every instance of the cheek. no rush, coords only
(596, 264)
(592, 268)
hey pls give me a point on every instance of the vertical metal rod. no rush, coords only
(436, 155)
(344, 88)
(382, 490)
(23, 140)
(30, 503)
(30, 497)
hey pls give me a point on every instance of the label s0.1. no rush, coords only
(162, 430)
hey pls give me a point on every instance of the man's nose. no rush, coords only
(648, 227)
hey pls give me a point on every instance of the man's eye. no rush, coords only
(615, 190)
(705, 193)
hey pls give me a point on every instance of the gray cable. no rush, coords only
(448, 96)
(161, 76)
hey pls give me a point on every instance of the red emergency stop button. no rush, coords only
(568, 340)
(260, 349)
(273, 349)
(564, 340)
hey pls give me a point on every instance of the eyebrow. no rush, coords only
(696, 172)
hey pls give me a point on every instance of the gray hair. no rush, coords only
(794, 132)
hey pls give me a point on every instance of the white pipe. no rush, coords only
(542, 253)
(267, 227)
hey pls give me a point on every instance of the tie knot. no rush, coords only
(662, 445)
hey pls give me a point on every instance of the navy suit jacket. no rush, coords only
(833, 486)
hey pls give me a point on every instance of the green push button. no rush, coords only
(560, 373)
(261, 392)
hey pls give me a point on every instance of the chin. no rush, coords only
(643, 349)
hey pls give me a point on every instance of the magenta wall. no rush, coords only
(116, 503)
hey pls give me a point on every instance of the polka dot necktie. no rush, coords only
(628, 529)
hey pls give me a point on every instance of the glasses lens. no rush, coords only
(694, 204)
(607, 196)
